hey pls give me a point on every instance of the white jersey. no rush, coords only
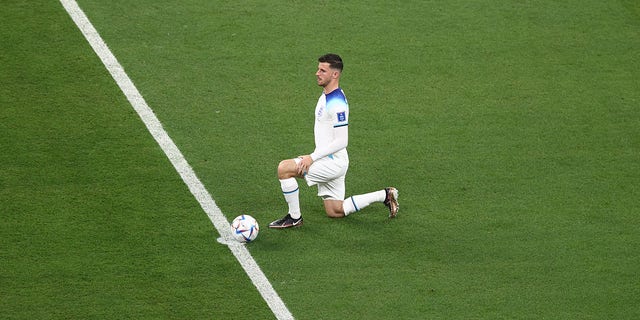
(332, 111)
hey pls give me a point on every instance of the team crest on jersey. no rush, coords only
(342, 116)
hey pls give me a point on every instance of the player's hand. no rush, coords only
(304, 164)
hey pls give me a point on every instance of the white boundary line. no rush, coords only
(177, 159)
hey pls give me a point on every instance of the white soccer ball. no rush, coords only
(244, 228)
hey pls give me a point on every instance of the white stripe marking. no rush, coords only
(177, 159)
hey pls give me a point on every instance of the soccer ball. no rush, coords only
(244, 228)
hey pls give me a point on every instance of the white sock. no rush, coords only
(359, 202)
(290, 191)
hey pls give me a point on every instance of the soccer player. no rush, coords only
(327, 165)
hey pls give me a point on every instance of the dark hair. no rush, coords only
(334, 60)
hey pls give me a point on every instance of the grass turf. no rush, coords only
(512, 129)
(96, 223)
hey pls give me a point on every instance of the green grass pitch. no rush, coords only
(511, 129)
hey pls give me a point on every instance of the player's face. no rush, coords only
(325, 74)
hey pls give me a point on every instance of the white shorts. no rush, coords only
(329, 174)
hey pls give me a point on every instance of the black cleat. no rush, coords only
(286, 222)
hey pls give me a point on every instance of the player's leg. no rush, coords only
(388, 196)
(287, 174)
(332, 193)
(288, 169)
(334, 208)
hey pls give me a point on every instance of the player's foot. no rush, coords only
(392, 201)
(286, 222)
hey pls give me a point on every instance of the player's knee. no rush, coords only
(281, 167)
(285, 169)
(334, 214)
(334, 210)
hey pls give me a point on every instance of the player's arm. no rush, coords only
(340, 141)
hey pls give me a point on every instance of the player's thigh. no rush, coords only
(326, 170)
(332, 189)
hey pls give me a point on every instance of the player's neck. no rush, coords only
(331, 87)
